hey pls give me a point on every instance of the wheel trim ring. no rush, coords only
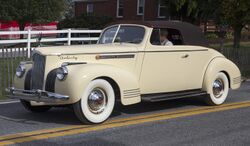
(218, 88)
(97, 101)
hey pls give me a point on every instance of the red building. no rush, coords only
(14, 26)
(123, 9)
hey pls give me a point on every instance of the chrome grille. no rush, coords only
(37, 76)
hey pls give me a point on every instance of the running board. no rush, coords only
(172, 95)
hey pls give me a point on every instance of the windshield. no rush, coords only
(123, 34)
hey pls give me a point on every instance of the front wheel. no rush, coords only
(97, 102)
(219, 90)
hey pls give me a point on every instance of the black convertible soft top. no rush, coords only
(191, 34)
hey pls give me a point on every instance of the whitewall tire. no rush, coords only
(219, 90)
(97, 102)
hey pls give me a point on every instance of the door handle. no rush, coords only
(185, 56)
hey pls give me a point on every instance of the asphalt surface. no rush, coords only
(229, 127)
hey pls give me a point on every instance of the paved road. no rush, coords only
(177, 122)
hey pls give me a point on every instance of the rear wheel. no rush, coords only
(219, 90)
(97, 102)
(35, 109)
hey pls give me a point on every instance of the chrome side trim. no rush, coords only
(115, 56)
(36, 95)
(72, 63)
(127, 52)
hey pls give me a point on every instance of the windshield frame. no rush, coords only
(117, 31)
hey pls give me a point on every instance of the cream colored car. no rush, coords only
(129, 65)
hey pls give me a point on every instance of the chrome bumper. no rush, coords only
(36, 95)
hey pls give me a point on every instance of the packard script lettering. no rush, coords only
(68, 57)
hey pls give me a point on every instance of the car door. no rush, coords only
(172, 68)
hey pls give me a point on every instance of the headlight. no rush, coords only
(20, 71)
(62, 73)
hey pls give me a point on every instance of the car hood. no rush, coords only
(86, 49)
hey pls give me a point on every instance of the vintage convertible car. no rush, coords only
(128, 64)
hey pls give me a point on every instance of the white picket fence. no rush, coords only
(12, 51)
(29, 39)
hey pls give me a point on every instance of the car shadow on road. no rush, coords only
(18, 114)
(66, 116)
(151, 107)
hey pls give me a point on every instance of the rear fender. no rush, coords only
(221, 64)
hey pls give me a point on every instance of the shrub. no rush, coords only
(211, 36)
(229, 35)
(85, 21)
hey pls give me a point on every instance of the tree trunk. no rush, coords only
(21, 28)
(237, 37)
(236, 45)
(205, 26)
(221, 44)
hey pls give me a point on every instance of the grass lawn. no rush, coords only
(7, 72)
(244, 55)
(2, 97)
(243, 45)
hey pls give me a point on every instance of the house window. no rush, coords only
(140, 7)
(120, 8)
(90, 8)
(162, 9)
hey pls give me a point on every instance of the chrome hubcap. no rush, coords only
(97, 101)
(218, 88)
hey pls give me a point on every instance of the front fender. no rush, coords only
(19, 83)
(80, 76)
(221, 64)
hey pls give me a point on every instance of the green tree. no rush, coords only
(237, 15)
(85, 21)
(31, 11)
(185, 10)
(209, 10)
